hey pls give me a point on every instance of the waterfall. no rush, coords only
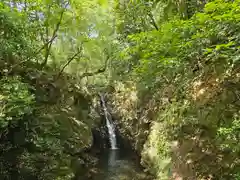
(109, 123)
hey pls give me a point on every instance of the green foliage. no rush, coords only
(191, 66)
(13, 40)
(16, 101)
(177, 42)
(47, 49)
(230, 135)
(183, 59)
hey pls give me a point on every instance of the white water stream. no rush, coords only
(109, 123)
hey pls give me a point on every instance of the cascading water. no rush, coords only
(117, 163)
(109, 123)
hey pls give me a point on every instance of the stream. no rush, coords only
(116, 164)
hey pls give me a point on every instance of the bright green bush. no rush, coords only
(16, 101)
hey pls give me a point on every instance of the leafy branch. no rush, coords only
(48, 45)
(153, 22)
(100, 70)
(70, 59)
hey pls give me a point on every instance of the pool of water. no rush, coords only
(119, 165)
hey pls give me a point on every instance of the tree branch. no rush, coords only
(153, 22)
(87, 74)
(101, 70)
(46, 44)
(70, 59)
(54, 35)
(25, 5)
(46, 40)
(34, 54)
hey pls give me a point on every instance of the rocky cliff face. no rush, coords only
(186, 134)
